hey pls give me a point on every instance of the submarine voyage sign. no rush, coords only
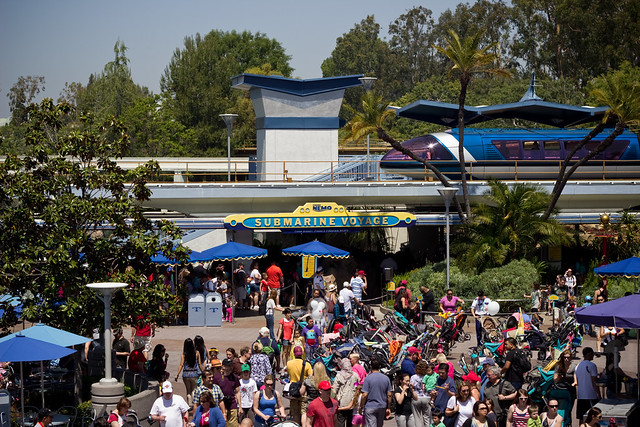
(313, 217)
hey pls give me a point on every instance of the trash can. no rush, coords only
(5, 408)
(213, 309)
(196, 310)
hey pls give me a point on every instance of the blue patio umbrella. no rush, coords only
(20, 348)
(49, 334)
(316, 248)
(629, 268)
(230, 251)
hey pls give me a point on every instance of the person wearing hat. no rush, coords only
(270, 346)
(348, 297)
(408, 365)
(229, 383)
(206, 384)
(323, 410)
(318, 282)
(294, 369)
(169, 410)
(137, 358)
(246, 390)
(121, 347)
(332, 299)
(403, 285)
(359, 285)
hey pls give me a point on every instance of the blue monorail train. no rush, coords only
(516, 154)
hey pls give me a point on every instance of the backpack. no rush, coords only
(521, 362)
(294, 388)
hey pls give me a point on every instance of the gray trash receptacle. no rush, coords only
(213, 309)
(196, 310)
(5, 408)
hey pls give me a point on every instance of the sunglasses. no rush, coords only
(268, 384)
(552, 406)
(523, 398)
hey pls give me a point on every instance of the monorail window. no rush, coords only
(552, 150)
(531, 150)
(612, 152)
(426, 146)
(510, 150)
(569, 146)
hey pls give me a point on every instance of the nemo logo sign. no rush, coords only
(319, 216)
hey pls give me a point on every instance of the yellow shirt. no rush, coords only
(294, 367)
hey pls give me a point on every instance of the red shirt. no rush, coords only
(143, 329)
(322, 412)
(274, 275)
(135, 357)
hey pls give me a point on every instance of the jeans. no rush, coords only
(479, 331)
(269, 318)
(421, 410)
(344, 417)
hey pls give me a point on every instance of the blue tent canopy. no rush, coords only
(49, 334)
(316, 248)
(629, 268)
(230, 251)
(622, 313)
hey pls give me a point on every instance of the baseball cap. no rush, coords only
(245, 368)
(320, 269)
(264, 331)
(403, 282)
(471, 376)
(297, 351)
(167, 387)
(361, 273)
(346, 285)
(488, 361)
(324, 385)
(216, 363)
(412, 350)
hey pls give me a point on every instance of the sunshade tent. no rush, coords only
(629, 268)
(51, 335)
(621, 313)
(20, 348)
(230, 251)
(316, 248)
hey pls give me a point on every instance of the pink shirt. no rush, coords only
(449, 306)
(358, 369)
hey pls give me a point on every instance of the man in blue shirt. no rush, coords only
(411, 359)
(445, 388)
(359, 285)
(375, 404)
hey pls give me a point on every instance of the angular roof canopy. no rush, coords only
(530, 107)
(295, 86)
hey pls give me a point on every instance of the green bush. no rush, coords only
(506, 282)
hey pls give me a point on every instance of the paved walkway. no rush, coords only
(244, 331)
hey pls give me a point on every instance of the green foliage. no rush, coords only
(22, 94)
(509, 281)
(197, 82)
(70, 216)
(507, 227)
(110, 92)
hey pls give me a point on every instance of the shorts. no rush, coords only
(240, 292)
(254, 289)
(286, 343)
(534, 309)
(138, 341)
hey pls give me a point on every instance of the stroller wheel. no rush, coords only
(467, 337)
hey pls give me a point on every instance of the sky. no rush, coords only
(67, 40)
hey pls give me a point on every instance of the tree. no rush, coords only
(374, 118)
(21, 94)
(361, 51)
(411, 41)
(197, 83)
(620, 91)
(469, 59)
(69, 216)
(112, 91)
(507, 227)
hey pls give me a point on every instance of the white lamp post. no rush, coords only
(108, 391)
(447, 194)
(367, 83)
(228, 120)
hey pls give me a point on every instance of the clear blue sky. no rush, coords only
(67, 40)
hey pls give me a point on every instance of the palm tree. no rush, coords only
(376, 117)
(507, 227)
(622, 95)
(469, 59)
